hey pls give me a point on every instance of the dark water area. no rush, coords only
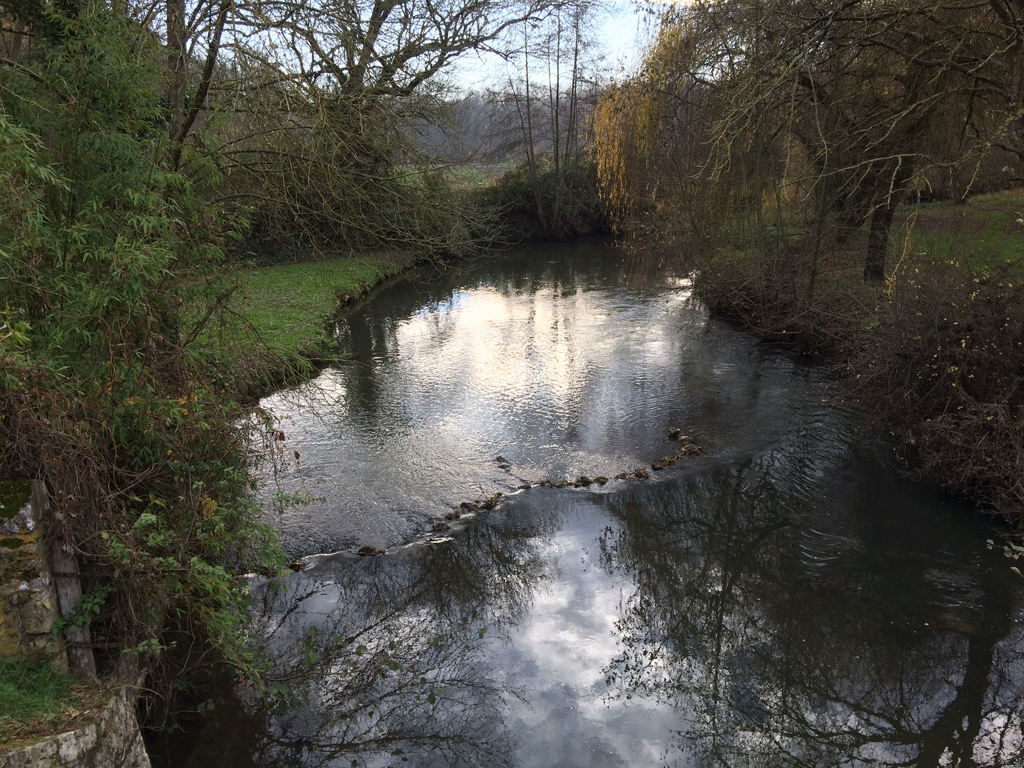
(782, 599)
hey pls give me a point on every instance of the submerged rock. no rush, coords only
(492, 502)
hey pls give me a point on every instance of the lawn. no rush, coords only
(289, 304)
(275, 332)
(985, 230)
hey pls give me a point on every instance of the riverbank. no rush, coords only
(275, 330)
(934, 355)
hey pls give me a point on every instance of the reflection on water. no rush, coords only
(782, 644)
(546, 358)
(781, 601)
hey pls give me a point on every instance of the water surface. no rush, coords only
(782, 599)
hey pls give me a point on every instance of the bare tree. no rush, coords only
(548, 97)
(306, 107)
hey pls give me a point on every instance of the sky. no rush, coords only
(620, 34)
(623, 35)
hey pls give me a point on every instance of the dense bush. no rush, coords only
(110, 267)
(943, 369)
(545, 202)
(935, 357)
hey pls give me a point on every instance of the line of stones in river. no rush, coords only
(685, 448)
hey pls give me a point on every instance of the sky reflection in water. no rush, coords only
(547, 358)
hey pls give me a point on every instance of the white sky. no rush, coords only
(623, 36)
(620, 35)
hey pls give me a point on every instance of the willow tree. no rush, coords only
(840, 107)
(663, 171)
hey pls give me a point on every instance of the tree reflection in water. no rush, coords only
(773, 612)
(779, 648)
(382, 660)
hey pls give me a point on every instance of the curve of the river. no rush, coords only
(780, 599)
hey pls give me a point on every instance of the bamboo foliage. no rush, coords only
(104, 400)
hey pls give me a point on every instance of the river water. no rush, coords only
(780, 598)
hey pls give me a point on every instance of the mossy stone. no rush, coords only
(14, 495)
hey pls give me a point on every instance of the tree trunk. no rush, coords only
(878, 240)
(175, 66)
(68, 586)
(555, 116)
(526, 121)
(184, 125)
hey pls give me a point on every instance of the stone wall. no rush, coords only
(28, 599)
(112, 740)
(29, 609)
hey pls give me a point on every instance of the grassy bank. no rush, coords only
(288, 305)
(37, 701)
(934, 355)
(983, 231)
(276, 321)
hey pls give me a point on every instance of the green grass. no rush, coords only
(35, 699)
(984, 231)
(288, 304)
(477, 175)
(278, 332)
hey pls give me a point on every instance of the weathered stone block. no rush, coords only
(113, 740)
(28, 600)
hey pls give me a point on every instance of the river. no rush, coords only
(774, 596)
